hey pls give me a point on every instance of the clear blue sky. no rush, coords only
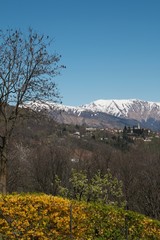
(111, 48)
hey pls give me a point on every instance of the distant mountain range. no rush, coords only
(105, 113)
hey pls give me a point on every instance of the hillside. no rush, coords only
(48, 217)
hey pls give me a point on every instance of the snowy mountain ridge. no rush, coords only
(121, 108)
(100, 111)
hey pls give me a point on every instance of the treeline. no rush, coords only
(41, 151)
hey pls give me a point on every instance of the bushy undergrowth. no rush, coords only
(43, 217)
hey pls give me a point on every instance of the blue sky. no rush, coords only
(111, 48)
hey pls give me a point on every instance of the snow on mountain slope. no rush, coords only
(113, 107)
(104, 112)
(119, 108)
(125, 108)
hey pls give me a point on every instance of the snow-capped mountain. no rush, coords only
(105, 113)
(133, 108)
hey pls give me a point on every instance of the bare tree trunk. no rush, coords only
(3, 173)
(70, 224)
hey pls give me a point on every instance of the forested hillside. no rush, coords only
(43, 154)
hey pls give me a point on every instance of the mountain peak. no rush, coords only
(118, 107)
(98, 112)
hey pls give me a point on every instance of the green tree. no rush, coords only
(27, 71)
(105, 188)
(79, 185)
(101, 188)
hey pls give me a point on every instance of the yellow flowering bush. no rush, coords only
(39, 217)
(42, 217)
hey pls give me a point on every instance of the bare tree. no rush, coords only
(27, 71)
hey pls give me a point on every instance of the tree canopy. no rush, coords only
(27, 71)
